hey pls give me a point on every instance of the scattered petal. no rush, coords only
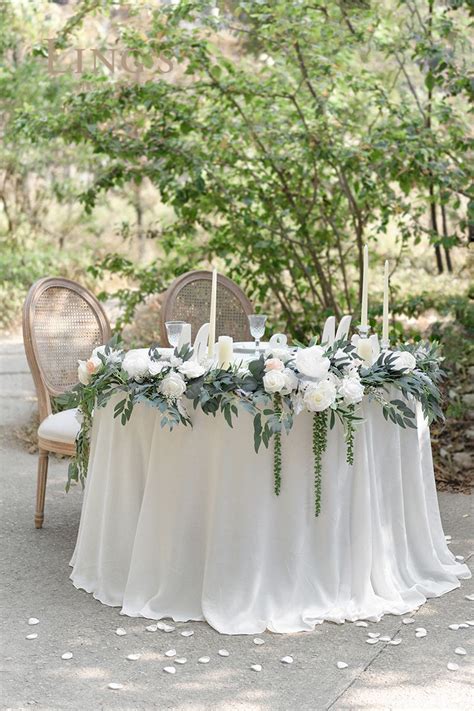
(151, 628)
(463, 626)
(120, 631)
(470, 623)
(408, 620)
(287, 660)
(460, 650)
(180, 660)
(385, 638)
(258, 640)
(187, 633)
(373, 635)
(204, 660)
(420, 635)
(170, 653)
(420, 629)
(115, 686)
(361, 623)
(469, 597)
(342, 665)
(459, 557)
(395, 641)
(448, 537)
(452, 666)
(465, 515)
(256, 667)
(169, 670)
(33, 621)
(454, 627)
(223, 653)
(168, 628)
(31, 636)
(161, 625)
(133, 657)
(371, 641)
(66, 655)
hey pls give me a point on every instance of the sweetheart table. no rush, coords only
(185, 524)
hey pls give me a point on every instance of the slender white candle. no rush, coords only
(365, 289)
(385, 303)
(226, 351)
(212, 316)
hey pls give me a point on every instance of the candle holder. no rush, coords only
(363, 331)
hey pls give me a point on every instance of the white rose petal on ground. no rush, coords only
(395, 641)
(258, 640)
(66, 655)
(187, 633)
(453, 627)
(373, 635)
(470, 623)
(386, 638)
(408, 620)
(120, 632)
(151, 628)
(459, 557)
(204, 660)
(361, 623)
(223, 653)
(448, 537)
(460, 650)
(469, 597)
(286, 660)
(420, 635)
(113, 685)
(452, 666)
(33, 621)
(371, 641)
(31, 636)
(256, 667)
(133, 657)
(180, 660)
(170, 653)
(168, 628)
(169, 670)
(342, 665)
(463, 626)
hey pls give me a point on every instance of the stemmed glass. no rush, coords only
(173, 331)
(257, 329)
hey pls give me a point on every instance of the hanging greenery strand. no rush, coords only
(277, 446)
(320, 426)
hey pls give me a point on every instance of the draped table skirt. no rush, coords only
(185, 524)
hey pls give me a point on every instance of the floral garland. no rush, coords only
(328, 382)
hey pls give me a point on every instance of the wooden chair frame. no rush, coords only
(178, 284)
(44, 390)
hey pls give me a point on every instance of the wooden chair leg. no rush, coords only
(41, 487)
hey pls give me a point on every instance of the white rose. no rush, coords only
(404, 361)
(291, 381)
(114, 356)
(274, 381)
(319, 396)
(136, 364)
(191, 369)
(281, 352)
(351, 389)
(156, 366)
(82, 373)
(172, 386)
(312, 362)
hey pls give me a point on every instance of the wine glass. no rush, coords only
(173, 331)
(257, 329)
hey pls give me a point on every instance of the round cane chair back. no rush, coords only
(62, 323)
(189, 299)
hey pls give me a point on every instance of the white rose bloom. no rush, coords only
(191, 369)
(351, 389)
(291, 381)
(274, 381)
(82, 373)
(319, 396)
(312, 362)
(172, 386)
(404, 361)
(156, 366)
(281, 352)
(113, 356)
(136, 364)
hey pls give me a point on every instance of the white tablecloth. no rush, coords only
(185, 524)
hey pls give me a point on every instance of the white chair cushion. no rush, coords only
(61, 427)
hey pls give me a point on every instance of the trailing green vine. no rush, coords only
(277, 446)
(349, 437)
(320, 427)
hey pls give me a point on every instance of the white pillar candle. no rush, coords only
(385, 304)
(225, 351)
(365, 289)
(364, 350)
(212, 316)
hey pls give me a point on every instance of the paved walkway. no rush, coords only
(412, 675)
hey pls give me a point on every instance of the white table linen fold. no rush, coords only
(185, 524)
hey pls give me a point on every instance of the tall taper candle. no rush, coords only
(385, 303)
(212, 316)
(365, 289)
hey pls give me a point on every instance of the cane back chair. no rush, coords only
(62, 323)
(188, 299)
